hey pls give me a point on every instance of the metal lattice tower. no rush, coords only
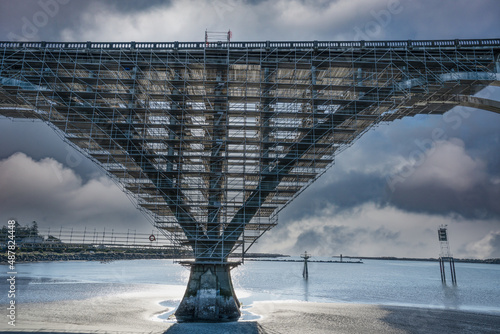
(213, 139)
(445, 255)
(443, 241)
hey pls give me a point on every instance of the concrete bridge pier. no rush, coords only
(209, 295)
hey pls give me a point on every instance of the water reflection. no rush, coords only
(451, 296)
(305, 282)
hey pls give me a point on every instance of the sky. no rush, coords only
(386, 195)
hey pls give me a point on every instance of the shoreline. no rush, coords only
(108, 256)
(364, 318)
(135, 313)
(32, 257)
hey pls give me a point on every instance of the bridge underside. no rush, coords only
(213, 140)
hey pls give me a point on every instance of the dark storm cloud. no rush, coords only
(353, 188)
(335, 239)
(458, 175)
(249, 20)
(495, 245)
(35, 20)
(45, 191)
(46, 19)
(37, 140)
(426, 19)
(347, 192)
(134, 6)
(450, 181)
(449, 19)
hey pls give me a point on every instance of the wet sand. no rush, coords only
(135, 313)
(301, 317)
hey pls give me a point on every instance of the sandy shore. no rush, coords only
(136, 313)
(295, 318)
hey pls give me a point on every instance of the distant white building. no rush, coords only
(53, 240)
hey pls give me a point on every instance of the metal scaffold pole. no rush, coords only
(212, 139)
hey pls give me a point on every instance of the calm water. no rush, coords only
(407, 283)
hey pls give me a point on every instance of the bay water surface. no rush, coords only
(379, 282)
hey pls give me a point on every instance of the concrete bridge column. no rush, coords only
(209, 295)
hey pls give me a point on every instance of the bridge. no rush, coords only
(212, 140)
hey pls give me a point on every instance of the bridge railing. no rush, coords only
(253, 45)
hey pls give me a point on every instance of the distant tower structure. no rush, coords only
(217, 37)
(446, 255)
(305, 272)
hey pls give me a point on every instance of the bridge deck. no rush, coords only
(212, 140)
(283, 45)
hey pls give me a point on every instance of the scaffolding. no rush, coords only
(213, 139)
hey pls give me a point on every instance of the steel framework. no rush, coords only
(213, 139)
(445, 255)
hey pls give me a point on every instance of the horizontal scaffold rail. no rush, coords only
(256, 45)
(213, 139)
